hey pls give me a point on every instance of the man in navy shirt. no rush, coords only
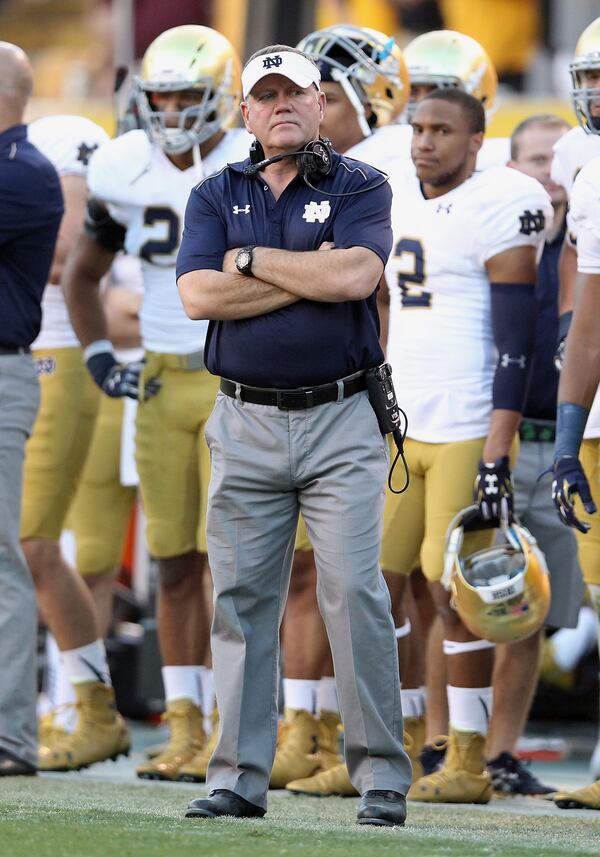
(286, 269)
(31, 208)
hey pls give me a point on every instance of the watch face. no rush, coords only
(243, 259)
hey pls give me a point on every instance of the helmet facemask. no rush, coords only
(583, 96)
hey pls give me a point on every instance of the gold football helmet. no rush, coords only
(368, 64)
(501, 593)
(445, 58)
(586, 59)
(190, 57)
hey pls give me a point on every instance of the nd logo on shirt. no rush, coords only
(316, 212)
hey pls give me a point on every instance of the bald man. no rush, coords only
(31, 208)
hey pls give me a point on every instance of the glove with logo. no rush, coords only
(120, 379)
(569, 479)
(493, 490)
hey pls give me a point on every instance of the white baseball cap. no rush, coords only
(295, 67)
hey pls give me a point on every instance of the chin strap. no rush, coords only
(198, 165)
(354, 100)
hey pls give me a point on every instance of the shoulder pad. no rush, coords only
(117, 164)
(67, 141)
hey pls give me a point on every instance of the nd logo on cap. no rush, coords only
(272, 62)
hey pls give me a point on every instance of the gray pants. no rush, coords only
(534, 506)
(19, 399)
(330, 462)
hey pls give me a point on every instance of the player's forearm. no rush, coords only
(580, 375)
(503, 428)
(333, 275)
(220, 296)
(567, 273)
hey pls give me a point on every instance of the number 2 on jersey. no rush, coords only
(160, 246)
(409, 252)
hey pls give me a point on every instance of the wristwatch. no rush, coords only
(243, 260)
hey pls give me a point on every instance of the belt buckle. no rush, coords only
(293, 400)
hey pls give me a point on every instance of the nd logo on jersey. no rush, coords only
(316, 211)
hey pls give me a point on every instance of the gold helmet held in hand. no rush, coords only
(501, 593)
(186, 58)
(445, 58)
(368, 64)
(586, 60)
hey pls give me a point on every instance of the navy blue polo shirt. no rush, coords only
(309, 342)
(543, 385)
(31, 208)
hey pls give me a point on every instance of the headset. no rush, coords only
(314, 161)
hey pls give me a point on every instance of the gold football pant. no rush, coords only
(57, 449)
(589, 544)
(415, 523)
(100, 512)
(172, 456)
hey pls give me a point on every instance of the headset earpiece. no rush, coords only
(257, 153)
(316, 159)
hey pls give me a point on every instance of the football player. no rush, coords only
(140, 183)
(576, 461)
(54, 459)
(462, 311)
(364, 78)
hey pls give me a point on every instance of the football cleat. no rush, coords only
(414, 739)
(186, 740)
(48, 730)
(186, 58)
(432, 755)
(295, 756)
(511, 776)
(334, 782)
(195, 770)
(100, 733)
(585, 798)
(462, 777)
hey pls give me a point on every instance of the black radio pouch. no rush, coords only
(390, 415)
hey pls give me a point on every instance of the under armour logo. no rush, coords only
(238, 209)
(317, 211)
(444, 208)
(491, 483)
(506, 360)
(84, 153)
(272, 62)
(532, 222)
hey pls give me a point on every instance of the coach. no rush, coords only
(287, 275)
(30, 212)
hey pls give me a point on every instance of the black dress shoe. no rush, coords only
(11, 766)
(382, 807)
(223, 802)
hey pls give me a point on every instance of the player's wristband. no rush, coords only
(99, 359)
(570, 426)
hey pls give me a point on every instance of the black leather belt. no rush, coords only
(537, 431)
(295, 400)
(22, 350)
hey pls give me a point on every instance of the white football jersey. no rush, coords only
(68, 142)
(147, 194)
(392, 142)
(440, 341)
(571, 152)
(584, 217)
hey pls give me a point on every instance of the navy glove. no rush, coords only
(569, 479)
(120, 379)
(493, 490)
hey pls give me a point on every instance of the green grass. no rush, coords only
(74, 817)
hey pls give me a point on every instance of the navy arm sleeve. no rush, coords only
(204, 240)
(364, 220)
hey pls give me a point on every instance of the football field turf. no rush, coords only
(75, 815)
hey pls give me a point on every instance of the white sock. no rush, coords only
(86, 663)
(413, 701)
(470, 708)
(207, 682)
(52, 669)
(299, 693)
(327, 698)
(183, 683)
(571, 644)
